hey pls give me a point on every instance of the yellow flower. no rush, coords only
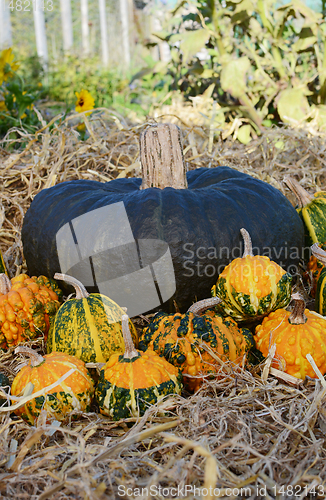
(84, 101)
(7, 59)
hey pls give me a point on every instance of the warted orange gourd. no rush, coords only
(295, 334)
(27, 306)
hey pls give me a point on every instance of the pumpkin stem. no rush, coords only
(5, 284)
(247, 243)
(303, 197)
(130, 351)
(36, 359)
(319, 253)
(161, 157)
(81, 292)
(198, 307)
(298, 317)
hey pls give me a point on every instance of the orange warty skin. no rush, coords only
(149, 369)
(74, 393)
(253, 274)
(294, 342)
(25, 311)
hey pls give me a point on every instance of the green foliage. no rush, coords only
(16, 97)
(267, 64)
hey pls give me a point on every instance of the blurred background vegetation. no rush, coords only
(258, 62)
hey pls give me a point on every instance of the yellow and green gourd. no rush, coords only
(252, 285)
(129, 383)
(295, 335)
(312, 210)
(70, 397)
(320, 296)
(87, 326)
(197, 344)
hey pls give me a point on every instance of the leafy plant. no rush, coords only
(16, 98)
(267, 64)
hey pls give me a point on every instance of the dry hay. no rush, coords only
(248, 430)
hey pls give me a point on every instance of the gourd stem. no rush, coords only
(202, 305)
(81, 292)
(319, 253)
(298, 317)
(161, 157)
(5, 284)
(130, 351)
(36, 359)
(247, 243)
(303, 197)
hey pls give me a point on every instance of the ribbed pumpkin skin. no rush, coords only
(252, 286)
(195, 222)
(294, 342)
(127, 387)
(89, 328)
(27, 310)
(314, 217)
(74, 393)
(179, 338)
(320, 301)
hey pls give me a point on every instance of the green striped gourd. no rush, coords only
(88, 326)
(320, 300)
(252, 286)
(312, 210)
(129, 383)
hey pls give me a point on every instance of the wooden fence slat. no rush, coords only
(66, 19)
(104, 34)
(40, 33)
(5, 26)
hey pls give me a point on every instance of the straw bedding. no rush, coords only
(246, 435)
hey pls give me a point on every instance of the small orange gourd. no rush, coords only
(27, 306)
(295, 334)
(72, 395)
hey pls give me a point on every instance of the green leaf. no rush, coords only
(243, 135)
(304, 43)
(293, 105)
(191, 42)
(233, 76)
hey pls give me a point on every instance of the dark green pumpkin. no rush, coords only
(199, 223)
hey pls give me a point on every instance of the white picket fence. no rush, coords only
(118, 24)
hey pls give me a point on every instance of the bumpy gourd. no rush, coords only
(87, 326)
(295, 334)
(72, 396)
(320, 296)
(27, 306)
(252, 285)
(129, 383)
(196, 343)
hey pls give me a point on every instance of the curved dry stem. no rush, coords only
(298, 317)
(202, 305)
(130, 351)
(303, 197)
(36, 359)
(5, 284)
(247, 243)
(319, 253)
(81, 292)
